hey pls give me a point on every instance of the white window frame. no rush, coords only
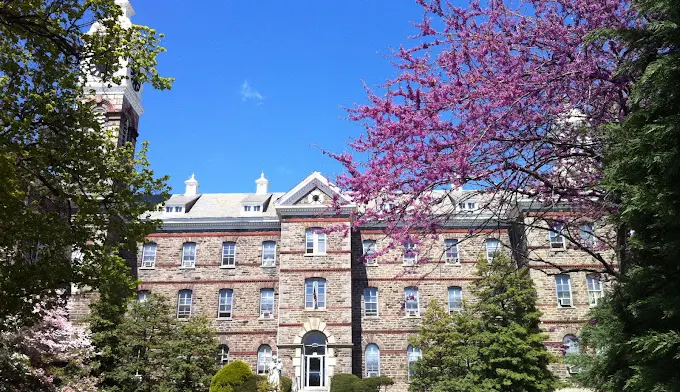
(563, 301)
(315, 241)
(455, 299)
(223, 355)
(369, 248)
(557, 240)
(318, 286)
(411, 312)
(266, 303)
(372, 352)
(149, 255)
(184, 305)
(268, 262)
(413, 354)
(228, 254)
(189, 260)
(410, 247)
(451, 250)
(492, 252)
(225, 304)
(371, 299)
(595, 289)
(264, 356)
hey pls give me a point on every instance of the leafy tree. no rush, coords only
(507, 95)
(66, 190)
(495, 344)
(634, 336)
(154, 351)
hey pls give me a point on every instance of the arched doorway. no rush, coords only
(314, 347)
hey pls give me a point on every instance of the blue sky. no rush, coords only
(259, 85)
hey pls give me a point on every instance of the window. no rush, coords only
(563, 286)
(184, 304)
(370, 301)
(369, 251)
(556, 238)
(372, 360)
(571, 345)
(223, 355)
(414, 354)
(264, 356)
(411, 302)
(267, 303)
(315, 293)
(149, 255)
(228, 254)
(587, 235)
(451, 247)
(189, 255)
(247, 208)
(268, 254)
(595, 291)
(257, 208)
(455, 299)
(178, 209)
(493, 246)
(168, 209)
(467, 206)
(143, 295)
(410, 255)
(226, 300)
(315, 241)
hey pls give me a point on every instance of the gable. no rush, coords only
(314, 185)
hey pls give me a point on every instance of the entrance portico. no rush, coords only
(314, 361)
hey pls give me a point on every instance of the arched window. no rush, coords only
(372, 360)
(571, 345)
(224, 309)
(264, 356)
(315, 241)
(412, 305)
(414, 354)
(223, 355)
(455, 299)
(184, 304)
(228, 254)
(315, 293)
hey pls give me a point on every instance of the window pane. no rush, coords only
(586, 233)
(571, 345)
(315, 293)
(149, 255)
(143, 295)
(184, 304)
(410, 253)
(493, 246)
(556, 238)
(264, 355)
(414, 354)
(595, 291)
(229, 254)
(372, 361)
(267, 303)
(563, 288)
(451, 250)
(371, 301)
(321, 242)
(369, 251)
(189, 254)
(411, 301)
(309, 241)
(455, 298)
(225, 303)
(269, 253)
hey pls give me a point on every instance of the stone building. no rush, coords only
(275, 279)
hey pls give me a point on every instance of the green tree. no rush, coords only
(66, 189)
(633, 339)
(495, 344)
(153, 351)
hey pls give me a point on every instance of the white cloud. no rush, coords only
(248, 92)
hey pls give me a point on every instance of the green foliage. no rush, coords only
(65, 189)
(150, 350)
(286, 384)
(352, 383)
(495, 344)
(634, 333)
(233, 374)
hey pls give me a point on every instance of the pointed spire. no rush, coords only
(191, 186)
(262, 185)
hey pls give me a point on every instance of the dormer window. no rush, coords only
(252, 208)
(168, 209)
(178, 209)
(467, 205)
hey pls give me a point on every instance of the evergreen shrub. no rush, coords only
(233, 375)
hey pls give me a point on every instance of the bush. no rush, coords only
(252, 384)
(231, 376)
(352, 383)
(286, 384)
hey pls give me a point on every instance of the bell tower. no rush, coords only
(120, 105)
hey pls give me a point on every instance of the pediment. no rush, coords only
(313, 190)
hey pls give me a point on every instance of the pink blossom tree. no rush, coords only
(509, 98)
(52, 355)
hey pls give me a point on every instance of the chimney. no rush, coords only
(192, 187)
(262, 185)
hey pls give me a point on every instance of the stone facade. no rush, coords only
(291, 221)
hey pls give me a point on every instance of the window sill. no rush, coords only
(565, 307)
(453, 262)
(269, 266)
(315, 310)
(409, 264)
(372, 317)
(412, 317)
(266, 318)
(315, 254)
(371, 264)
(188, 268)
(558, 249)
(224, 319)
(147, 268)
(227, 266)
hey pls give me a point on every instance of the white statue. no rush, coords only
(275, 367)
